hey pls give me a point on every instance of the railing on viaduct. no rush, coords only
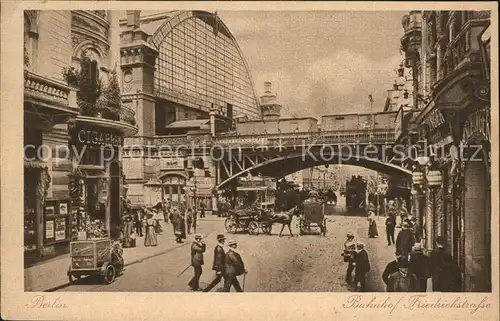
(376, 136)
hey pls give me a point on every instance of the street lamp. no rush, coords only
(434, 178)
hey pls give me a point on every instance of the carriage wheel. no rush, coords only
(109, 274)
(253, 228)
(266, 228)
(230, 225)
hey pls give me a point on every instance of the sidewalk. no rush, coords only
(52, 274)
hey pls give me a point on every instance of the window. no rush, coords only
(94, 73)
(30, 39)
(205, 67)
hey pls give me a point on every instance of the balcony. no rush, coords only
(118, 118)
(463, 66)
(49, 97)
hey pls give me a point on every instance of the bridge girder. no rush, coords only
(280, 164)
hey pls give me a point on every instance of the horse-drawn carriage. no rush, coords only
(247, 219)
(313, 215)
(256, 221)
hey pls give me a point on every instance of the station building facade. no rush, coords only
(186, 78)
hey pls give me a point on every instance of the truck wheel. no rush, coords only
(109, 274)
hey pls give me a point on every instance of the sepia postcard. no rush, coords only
(315, 160)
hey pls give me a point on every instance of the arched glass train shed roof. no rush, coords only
(200, 63)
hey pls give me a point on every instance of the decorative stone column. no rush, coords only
(434, 204)
(212, 121)
(418, 196)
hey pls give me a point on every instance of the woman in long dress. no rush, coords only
(150, 239)
(128, 229)
(372, 224)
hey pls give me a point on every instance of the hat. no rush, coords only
(405, 225)
(403, 264)
(360, 245)
(440, 240)
(221, 237)
(197, 236)
(417, 247)
(232, 242)
(349, 234)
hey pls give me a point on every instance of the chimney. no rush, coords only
(133, 18)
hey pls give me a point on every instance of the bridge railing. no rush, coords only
(305, 138)
(377, 136)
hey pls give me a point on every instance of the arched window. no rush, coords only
(94, 73)
(30, 40)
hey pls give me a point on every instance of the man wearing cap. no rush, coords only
(405, 240)
(197, 250)
(233, 267)
(362, 266)
(349, 255)
(219, 261)
(420, 266)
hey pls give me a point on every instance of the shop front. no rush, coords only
(205, 196)
(472, 189)
(96, 182)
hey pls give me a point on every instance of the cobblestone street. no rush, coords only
(309, 263)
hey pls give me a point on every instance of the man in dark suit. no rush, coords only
(233, 267)
(420, 266)
(219, 261)
(362, 266)
(391, 267)
(390, 225)
(405, 240)
(197, 250)
(445, 273)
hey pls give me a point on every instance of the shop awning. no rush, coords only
(195, 123)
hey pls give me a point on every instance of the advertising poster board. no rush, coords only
(49, 229)
(60, 228)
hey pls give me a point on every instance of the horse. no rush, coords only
(285, 219)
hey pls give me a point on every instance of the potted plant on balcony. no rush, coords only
(111, 98)
(89, 85)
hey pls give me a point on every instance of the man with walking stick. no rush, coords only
(219, 261)
(234, 267)
(197, 250)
